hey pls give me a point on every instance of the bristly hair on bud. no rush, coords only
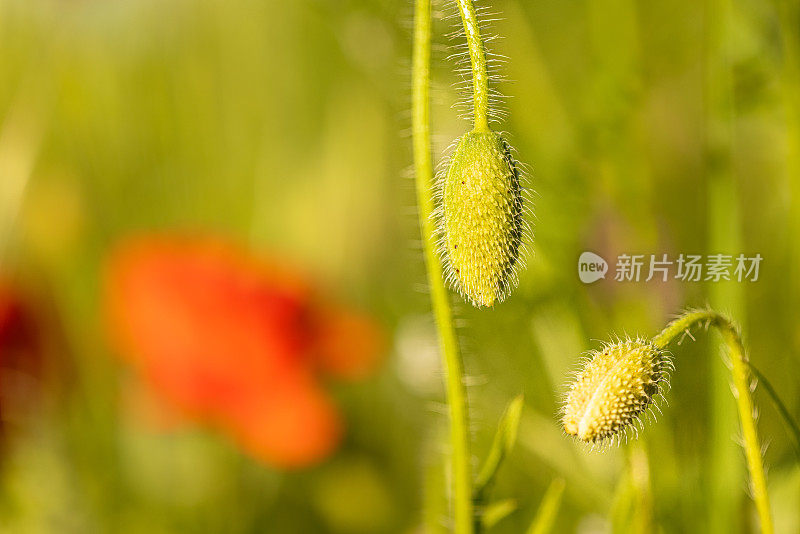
(481, 218)
(614, 389)
(481, 211)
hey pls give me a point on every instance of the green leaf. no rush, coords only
(503, 443)
(548, 509)
(496, 512)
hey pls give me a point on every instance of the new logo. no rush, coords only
(591, 267)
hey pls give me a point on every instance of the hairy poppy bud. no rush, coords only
(614, 388)
(482, 218)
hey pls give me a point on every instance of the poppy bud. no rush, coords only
(482, 220)
(614, 388)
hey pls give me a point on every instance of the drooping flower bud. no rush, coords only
(482, 218)
(615, 387)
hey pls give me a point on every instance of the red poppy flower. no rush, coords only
(237, 342)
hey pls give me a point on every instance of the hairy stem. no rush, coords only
(477, 58)
(744, 401)
(448, 343)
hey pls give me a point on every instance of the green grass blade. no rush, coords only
(503, 443)
(496, 512)
(548, 509)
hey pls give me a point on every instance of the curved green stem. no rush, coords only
(451, 354)
(744, 401)
(477, 58)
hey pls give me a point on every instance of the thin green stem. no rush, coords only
(682, 325)
(744, 400)
(454, 368)
(783, 411)
(477, 58)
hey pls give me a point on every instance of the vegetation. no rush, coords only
(274, 131)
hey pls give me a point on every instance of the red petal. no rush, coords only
(226, 341)
(349, 345)
(290, 425)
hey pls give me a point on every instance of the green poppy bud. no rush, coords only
(614, 388)
(482, 218)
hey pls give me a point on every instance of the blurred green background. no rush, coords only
(649, 127)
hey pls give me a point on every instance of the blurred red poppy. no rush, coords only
(237, 342)
(20, 356)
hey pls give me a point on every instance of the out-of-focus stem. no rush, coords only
(725, 237)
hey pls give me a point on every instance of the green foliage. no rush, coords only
(496, 512)
(546, 514)
(503, 443)
(278, 123)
